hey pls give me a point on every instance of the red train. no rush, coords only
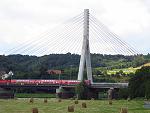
(43, 82)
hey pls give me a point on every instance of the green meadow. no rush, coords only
(22, 105)
(126, 70)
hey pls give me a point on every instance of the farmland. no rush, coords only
(53, 106)
(126, 70)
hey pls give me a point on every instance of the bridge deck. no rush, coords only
(109, 85)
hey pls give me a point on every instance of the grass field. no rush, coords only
(53, 106)
(126, 70)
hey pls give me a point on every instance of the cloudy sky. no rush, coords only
(21, 20)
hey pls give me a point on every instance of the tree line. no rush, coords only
(33, 67)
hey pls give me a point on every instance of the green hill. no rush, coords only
(33, 67)
(126, 70)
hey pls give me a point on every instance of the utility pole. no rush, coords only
(85, 54)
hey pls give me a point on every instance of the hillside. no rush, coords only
(33, 67)
(126, 70)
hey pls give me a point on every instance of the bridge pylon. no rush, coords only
(85, 53)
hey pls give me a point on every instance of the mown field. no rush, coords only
(126, 70)
(53, 106)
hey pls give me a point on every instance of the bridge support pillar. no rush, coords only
(85, 54)
(111, 93)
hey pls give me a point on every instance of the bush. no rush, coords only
(147, 90)
(82, 90)
(123, 93)
(139, 84)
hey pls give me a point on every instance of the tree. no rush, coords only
(139, 60)
(120, 72)
(139, 83)
(123, 93)
(147, 90)
(43, 71)
(81, 90)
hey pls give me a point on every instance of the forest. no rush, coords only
(33, 67)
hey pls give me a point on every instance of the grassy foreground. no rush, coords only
(53, 106)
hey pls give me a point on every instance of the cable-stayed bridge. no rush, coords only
(82, 34)
(68, 37)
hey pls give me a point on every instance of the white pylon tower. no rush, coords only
(85, 55)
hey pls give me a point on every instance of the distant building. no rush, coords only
(2, 73)
(55, 71)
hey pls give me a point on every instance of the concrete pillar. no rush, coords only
(85, 54)
(110, 93)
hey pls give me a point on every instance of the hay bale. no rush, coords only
(59, 100)
(71, 108)
(84, 105)
(110, 102)
(45, 100)
(124, 110)
(31, 100)
(34, 110)
(76, 102)
(92, 99)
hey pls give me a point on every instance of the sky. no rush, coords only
(23, 20)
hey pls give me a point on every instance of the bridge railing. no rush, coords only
(109, 85)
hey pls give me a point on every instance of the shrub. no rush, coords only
(123, 93)
(82, 90)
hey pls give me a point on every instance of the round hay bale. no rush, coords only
(71, 108)
(110, 102)
(76, 102)
(34, 110)
(45, 100)
(124, 110)
(59, 100)
(84, 105)
(92, 99)
(31, 100)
